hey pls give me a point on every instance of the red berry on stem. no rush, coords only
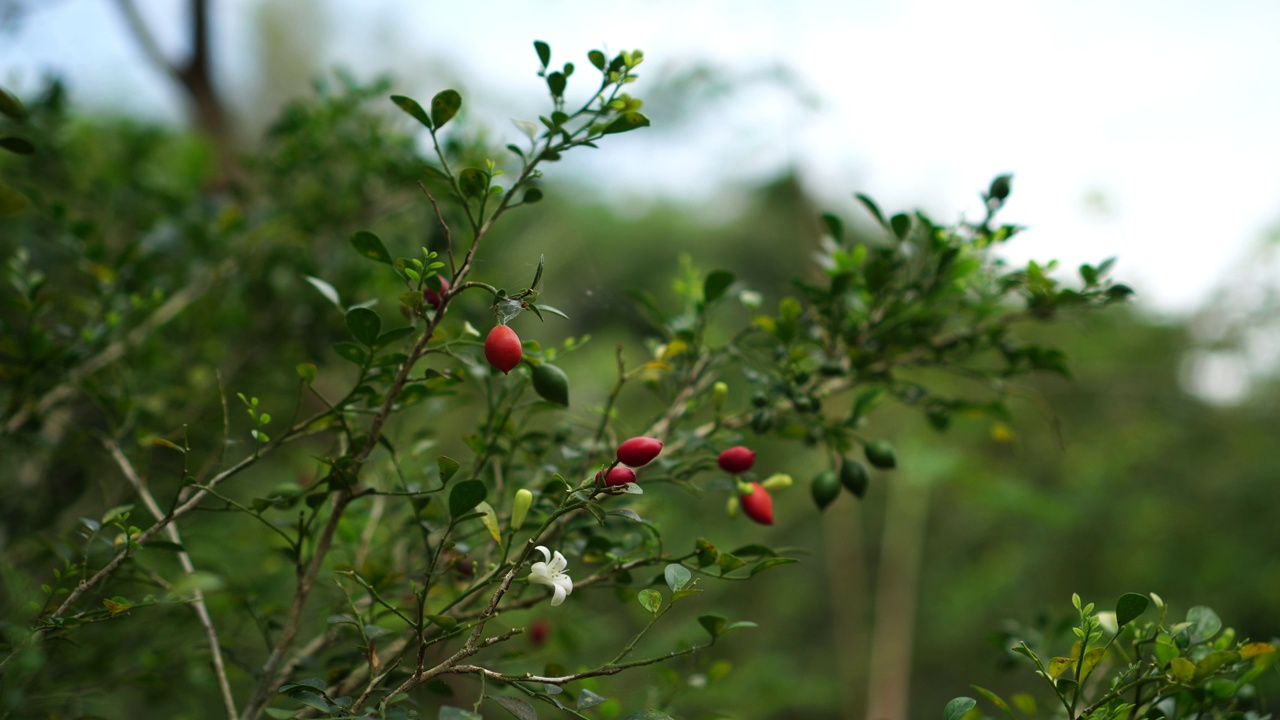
(432, 297)
(639, 451)
(539, 631)
(502, 348)
(758, 505)
(737, 459)
(618, 476)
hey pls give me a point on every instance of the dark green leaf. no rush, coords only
(958, 707)
(465, 496)
(551, 384)
(713, 623)
(717, 282)
(544, 52)
(547, 308)
(391, 336)
(516, 706)
(874, 209)
(771, 563)
(12, 202)
(164, 545)
(556, 84)
(901, 225)
(365, 325)
(677, 576)
(834, 226)
(370, 246)
(411, 106)
(473, 182)
(444, 106)
(11, 106)
(649, 715)
(1129, 607)
(17, 145)
(448, 466)
(597, 58)
(1000, 187)
(626, 121)
(350, 351)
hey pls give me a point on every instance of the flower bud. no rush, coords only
(520, 508)
(731, 508)
(719, 393)
(777, 481)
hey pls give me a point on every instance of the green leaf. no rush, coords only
(444, 622)
(517, 707)
(588, 699)
(994, 699)
(597, 58)
(444, 106)
(465, 496)
(11, 106)
(1129, 607)
(1212, 663)
(677, 576)
(834, 226)
(714, 624)
(551, 384)
(17, 145)
(771, 563)
(327, 291)
(871, 207)
(448, 712)
(650, 600)
(370, 246)
(307, 371)
(1204, 623)
(448, 466)
(164, 545)
(411, 106)
(12, 202)
(544, 52)
(548, 308)
(901, 225)
(351, 351)
(958, 707)
(391, 336)
(365, 325)
(532, 196)
(472, 182)
(556, 83)
(625, 122)
(729, 563)
(717, 282)
(649, 715)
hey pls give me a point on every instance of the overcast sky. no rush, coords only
(1146, 130)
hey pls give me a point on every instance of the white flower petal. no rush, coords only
(546, 554)
(559, 597)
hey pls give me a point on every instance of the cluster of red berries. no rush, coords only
(634, 453)
(758, 503)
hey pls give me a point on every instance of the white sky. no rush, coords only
(1142, 129)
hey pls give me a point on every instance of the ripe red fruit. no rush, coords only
(737, 459)
(618, 476)
(758, 505)
(432, 297)
(539, 631)
(639, 451)
(502, 348)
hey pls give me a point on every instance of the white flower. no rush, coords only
(551, 573)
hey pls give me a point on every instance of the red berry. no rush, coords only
(432, 297)
(639, 451)
(758, 505)
(737, 459)
(538, 631)
(502, 348)
(618, 476)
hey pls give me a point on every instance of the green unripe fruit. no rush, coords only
(880, 454)
(520, 508)
(776, 482)
(719, 393)
(853, 475)
(825, 488)
(551, 384)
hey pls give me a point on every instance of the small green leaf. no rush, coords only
(517, 707)
(958, 708)
(544, 52)
(597, 58)
(834, 226)
(729, 563)
(11, 106)
(448, 466)
(649, 715)
(677, 576)
(1059, 665)
(994, 699)
(351, 351)
(411, 106)
(17, 145)
(1212, 663)
(448, 712)
(901, 225)
(444, 106)
(771, 563)
(716, 284)
(444, 622)
(556, 83)
(1129, 607)
(874, 209)
(465, 496)
(365, 325)
(370, 246)
(164, 545)
(393, 335)
(625, 122)
(307, 371)
(551, 384)
(714, 624)
(326, 290)
(1204, 623)
(650, 600)
(588, 699)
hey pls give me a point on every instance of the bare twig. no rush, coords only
(197, 595)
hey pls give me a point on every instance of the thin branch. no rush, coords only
(197, 595)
